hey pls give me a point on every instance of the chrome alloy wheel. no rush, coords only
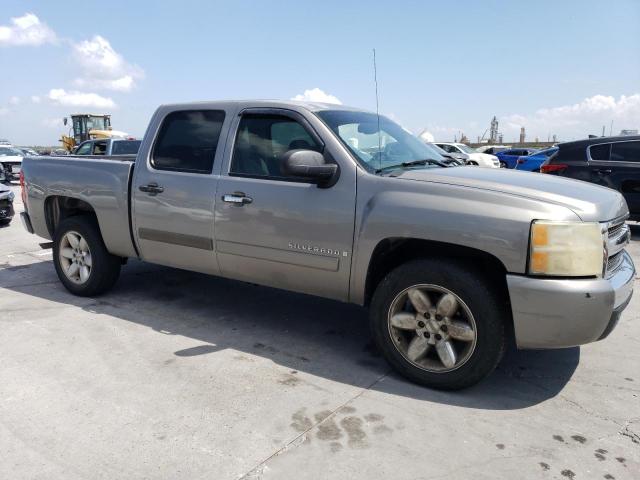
(75, 257)
(432, 328)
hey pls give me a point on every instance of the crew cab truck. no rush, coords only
(333, 201)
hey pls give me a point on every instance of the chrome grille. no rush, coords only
(614, 262)
(612, 231)
(618, 236)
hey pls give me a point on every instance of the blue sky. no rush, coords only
(565, 67)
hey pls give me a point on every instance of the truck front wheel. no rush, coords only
(82, 262)
(439, 323)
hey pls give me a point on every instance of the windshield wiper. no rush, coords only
(413, 163)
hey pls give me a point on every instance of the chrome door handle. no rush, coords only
(151, 189)
(237, 198)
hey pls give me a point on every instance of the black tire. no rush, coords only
(503, 164)
(105, 267)
(5, 221)
(487, 306)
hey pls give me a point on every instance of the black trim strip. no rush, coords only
(181, 239)
(130, 209)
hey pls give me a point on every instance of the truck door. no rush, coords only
(173, 190)
(273, 229)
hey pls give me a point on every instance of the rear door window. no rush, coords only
(125, 147)
(600, 152)
(625, 152)
(100, 148)
(188, 140)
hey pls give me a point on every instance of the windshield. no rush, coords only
(377, 149)
(465, 148)
(97, 123)
(125, 147)
(10, 151)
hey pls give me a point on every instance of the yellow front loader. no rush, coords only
(87, 126)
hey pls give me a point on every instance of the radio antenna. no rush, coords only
(375, 80)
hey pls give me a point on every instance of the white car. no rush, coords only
(475, 158)
(10, 163)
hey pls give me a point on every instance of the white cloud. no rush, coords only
(52, 123)
(60, 96)
(316, 95)
(26, 30)
(577, 120)
(35, 99)
(103, 67)
(4, 111)
(14, 100)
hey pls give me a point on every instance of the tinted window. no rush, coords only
(187, 141)
(126, 147)
(84, 149)
(625, 152)
(261, 141)
(600, 152)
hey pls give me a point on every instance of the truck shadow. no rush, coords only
(300, 332)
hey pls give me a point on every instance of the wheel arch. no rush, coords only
(391, 252)
(59, 207)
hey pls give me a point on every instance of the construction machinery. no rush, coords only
(87, 126)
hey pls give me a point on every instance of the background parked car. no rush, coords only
(457, 157)
(533, 162)
(475, 158)
(610, 161)
(492, 149)
(508, 158)
(28, 151)
(10, 163)
(6, 205)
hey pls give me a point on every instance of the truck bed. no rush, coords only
(101, 181)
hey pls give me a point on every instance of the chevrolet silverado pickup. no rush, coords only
(452, 262)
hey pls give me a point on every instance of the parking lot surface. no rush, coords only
(175, 374)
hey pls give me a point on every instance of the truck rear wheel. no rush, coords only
(82, 262)
(438, 323)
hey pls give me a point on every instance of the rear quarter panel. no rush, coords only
(102, 183)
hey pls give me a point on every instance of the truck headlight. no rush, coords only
(566, 249)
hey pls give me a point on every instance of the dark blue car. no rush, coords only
(532, 163)
(508, 158)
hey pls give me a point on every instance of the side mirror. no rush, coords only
(311, 166)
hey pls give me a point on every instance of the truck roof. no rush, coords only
(311, 106)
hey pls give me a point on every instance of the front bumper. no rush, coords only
(558, 313)
(6, 210)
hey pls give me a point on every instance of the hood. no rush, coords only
(590, 202)
(11, 158)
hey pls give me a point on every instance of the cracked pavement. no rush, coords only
(178, 375)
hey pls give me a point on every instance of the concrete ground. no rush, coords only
(178, 375)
